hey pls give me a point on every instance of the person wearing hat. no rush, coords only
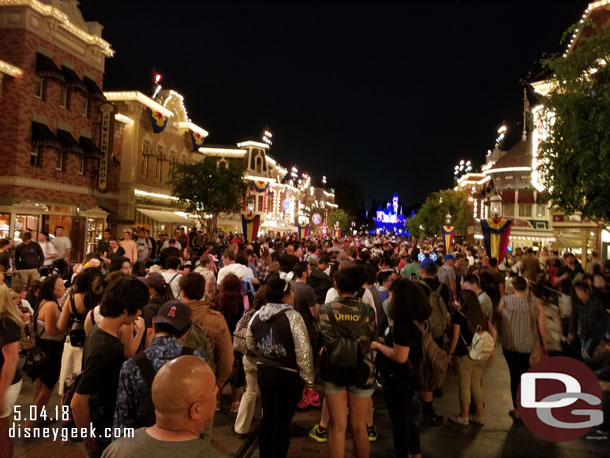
(159, 295)
(446, 274)
(172, 322)
(318, 279)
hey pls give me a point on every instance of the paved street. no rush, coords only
(500, 437)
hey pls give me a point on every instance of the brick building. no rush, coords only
(54, 171)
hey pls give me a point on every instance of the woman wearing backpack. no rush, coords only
(347, 328)
(400, 351)
(469, 320)
(523, 323)
(278, 336)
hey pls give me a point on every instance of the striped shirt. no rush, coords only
(518, 323)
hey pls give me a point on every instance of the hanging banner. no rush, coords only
(447, 233)
(337, 231)
(158, 120)
(496, 232)
(260, 186)
(303, 230)
(197, 140)
(250, 223)
(106, 135)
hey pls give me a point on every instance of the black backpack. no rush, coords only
(146, 409)
(343, 364)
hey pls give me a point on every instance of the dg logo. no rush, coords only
(560, 399)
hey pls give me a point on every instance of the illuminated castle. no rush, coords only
(391, 218)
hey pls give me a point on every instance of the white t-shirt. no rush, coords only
(48, 249)
(173, 280)
(240, 270)
(62, 244)
(166, 244)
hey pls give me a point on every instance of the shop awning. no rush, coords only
(93, 90)
(71, 79)
(46, 68)
(508, 197)
(89, 148)
(42, 136)
(68, 142)
(164, 216)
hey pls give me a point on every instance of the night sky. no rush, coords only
(389, 94)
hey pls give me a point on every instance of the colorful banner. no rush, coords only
(106, 136)
(158, 120)
(303, 230)
(250, 223)
(260, 186)
(496, 232)
(197, 140)
(447, 233)
(337, 232)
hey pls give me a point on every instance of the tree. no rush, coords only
(345, 220)
(429, 219)
(348, 195)
(208, 189)
(575, 156)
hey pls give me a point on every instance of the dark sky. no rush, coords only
(389, 94)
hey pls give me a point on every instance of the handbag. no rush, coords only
(77, 330)
(35, 357)
(538, 353)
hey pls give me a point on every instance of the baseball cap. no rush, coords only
(154, 280)
(449, 257)
(427, 263)
(312, 260)
(175, 313)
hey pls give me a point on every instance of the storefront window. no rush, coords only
(5, 224)
(95, 229)
(26, 223)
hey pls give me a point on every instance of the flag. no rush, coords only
(303, 230)
(260, 186)
(496, 232)
(158, 120)
(197, 140)
(447, 232)
(250, 223)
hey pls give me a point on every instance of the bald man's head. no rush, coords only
(184, 394)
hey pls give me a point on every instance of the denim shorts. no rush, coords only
(331, 388)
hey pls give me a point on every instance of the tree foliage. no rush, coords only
(575, 156)
(429, 219)
(208, 189)
(345, 220)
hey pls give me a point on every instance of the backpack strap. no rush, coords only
(170, 282)
(146, 368)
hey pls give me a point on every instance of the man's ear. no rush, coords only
(195, 411)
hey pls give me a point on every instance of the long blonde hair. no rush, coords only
(7, 306)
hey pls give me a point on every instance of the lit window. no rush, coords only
(260, 203)
(35, 156)
(508, 209)
(85, 106)
(38, 87)
(540, 211)
(81, 164)
(63, 97)
(525, 210)
(508, 177)
(59, 161)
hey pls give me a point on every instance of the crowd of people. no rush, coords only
(147, 333)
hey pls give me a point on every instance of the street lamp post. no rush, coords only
(495, 207)
(448, 219)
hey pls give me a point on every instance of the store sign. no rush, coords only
(107, 110)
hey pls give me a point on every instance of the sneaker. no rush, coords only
(432, 419)
(477, 420)
(319, 434)
(372, 430)
(459, 420)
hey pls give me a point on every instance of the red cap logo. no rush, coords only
(172, 312)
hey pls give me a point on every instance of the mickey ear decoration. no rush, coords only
(433, 256)
(421, 256)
